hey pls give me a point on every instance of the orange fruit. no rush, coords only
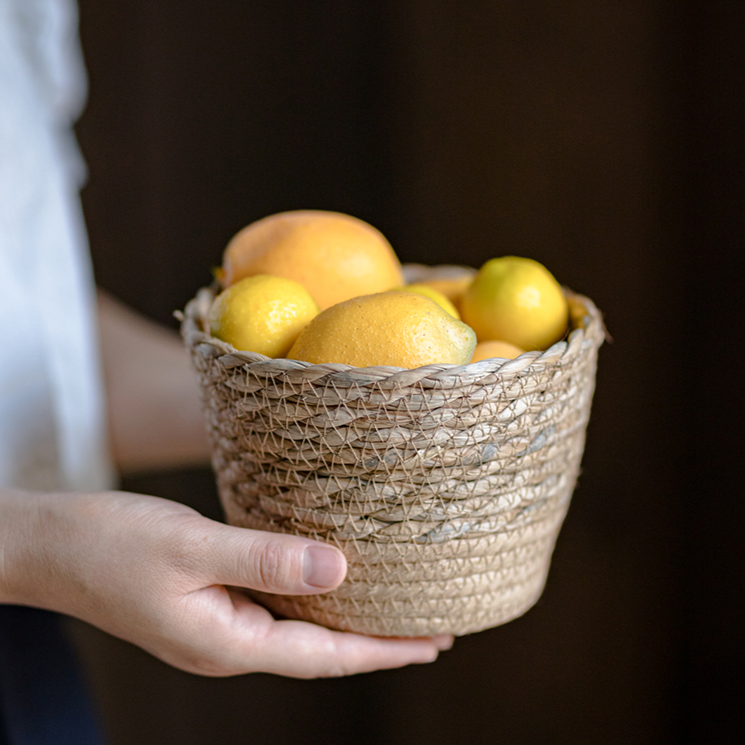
(487, 350)
(334, 256)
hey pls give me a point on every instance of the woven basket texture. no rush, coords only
(445, 486)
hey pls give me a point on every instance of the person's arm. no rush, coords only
(161, 576)
(155, 420)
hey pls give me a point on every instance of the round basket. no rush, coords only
(445, 486)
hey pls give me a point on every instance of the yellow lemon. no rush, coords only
(262, 314)
(487, 350)
(515, 300)
(401, 329)
(335, 257)
(432, 294)
(452, 289)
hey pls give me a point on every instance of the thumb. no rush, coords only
(272, 562)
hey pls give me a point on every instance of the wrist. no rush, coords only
(32, 556)
(14, 524)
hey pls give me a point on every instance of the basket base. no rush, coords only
(457, 616)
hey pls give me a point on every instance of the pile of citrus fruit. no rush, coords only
(326, 287)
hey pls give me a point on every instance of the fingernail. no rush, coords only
(320, 566)
(443, 642)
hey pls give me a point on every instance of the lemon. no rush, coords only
(262, 314)
(334, 256)
(400, 329)
(487, 350)
(451, 288)
(432, 294)
(515, 300)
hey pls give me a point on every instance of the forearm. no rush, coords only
(41, 544)
(155, 419)
(10, 523)
(19, 514)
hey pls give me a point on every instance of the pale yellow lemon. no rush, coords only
(486, 350)
(517, 300)
(432, 294)
(334, 256)
(262, 314)
(452, 289)
(400, 329)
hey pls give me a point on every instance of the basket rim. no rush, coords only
(589, 331)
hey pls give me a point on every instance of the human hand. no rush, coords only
(159, 575)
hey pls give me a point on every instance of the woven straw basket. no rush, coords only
(445, 486)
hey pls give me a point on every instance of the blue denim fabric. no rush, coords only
(43, 700)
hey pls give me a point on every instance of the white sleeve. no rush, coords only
(52, 416)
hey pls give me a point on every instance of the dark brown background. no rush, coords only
(600, 137)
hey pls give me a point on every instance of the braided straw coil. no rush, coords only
(445, 486)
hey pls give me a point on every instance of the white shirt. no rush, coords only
(52, 426)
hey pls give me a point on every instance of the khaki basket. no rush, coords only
(444, 486)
